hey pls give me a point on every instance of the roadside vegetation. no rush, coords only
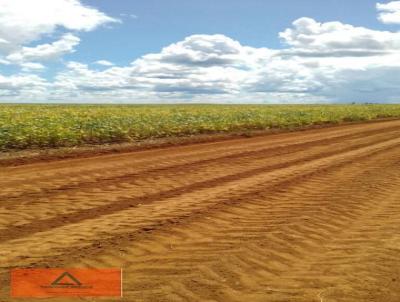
(44, 126)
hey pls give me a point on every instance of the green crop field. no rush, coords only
(40, 126)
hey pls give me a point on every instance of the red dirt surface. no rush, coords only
(301, 216)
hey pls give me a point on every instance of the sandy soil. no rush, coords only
(302, 216)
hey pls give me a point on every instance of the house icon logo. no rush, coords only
(66, 280)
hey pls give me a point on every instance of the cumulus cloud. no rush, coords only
(22, 85)
(338, 62)
(206, 51)
(216, 67)
(29, 66)
(197, 66)
(44, 52)
(104, 63)
(4, 61)
(22, 21)
(200, 64)
(334, 39)
(79, 76)
(389, 13)
(329, 61)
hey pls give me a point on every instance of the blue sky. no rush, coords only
(199, 51)
(255, 23)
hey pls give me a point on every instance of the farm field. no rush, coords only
(47, 126)
(291, 217)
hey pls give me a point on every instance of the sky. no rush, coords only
(209, 51)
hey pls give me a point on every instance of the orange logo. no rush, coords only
(74, 282)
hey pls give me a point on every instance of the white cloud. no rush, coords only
(30, 66)
(22, 87)
(78, 76)
(4, 42)
(22, 21)
(206, 51)
(198, 65)
(218, 68)
(337, 62)
(329, 61)
(334, 39)
(104, 63)
(4, 61)
(389, 13)
(45, 52)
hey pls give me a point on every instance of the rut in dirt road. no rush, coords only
(302, 216)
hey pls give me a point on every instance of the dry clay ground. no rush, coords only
(303, 216)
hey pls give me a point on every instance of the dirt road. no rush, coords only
(303, 216)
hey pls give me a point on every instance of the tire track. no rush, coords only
(18, 231)
(43, 181)
(169, 182)
(237, 254)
